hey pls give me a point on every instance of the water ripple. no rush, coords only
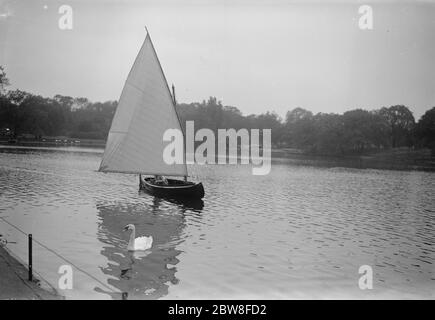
(298, 232)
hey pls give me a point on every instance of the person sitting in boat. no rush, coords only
(161, 180)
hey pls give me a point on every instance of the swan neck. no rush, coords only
(132, 236)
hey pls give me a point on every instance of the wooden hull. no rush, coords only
(177, 189)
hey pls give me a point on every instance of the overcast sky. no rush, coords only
(255, 55)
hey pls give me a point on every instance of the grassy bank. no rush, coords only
(14, 283)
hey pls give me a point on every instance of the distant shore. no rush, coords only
(55, 142)
(14, 284)
(390, 159)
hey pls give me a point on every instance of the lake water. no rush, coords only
(299, 232)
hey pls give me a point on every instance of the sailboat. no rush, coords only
(135, 145)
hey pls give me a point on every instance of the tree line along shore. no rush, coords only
(64, 119)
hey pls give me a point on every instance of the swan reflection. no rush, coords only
(142, 274)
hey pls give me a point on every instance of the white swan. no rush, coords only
(140, 243)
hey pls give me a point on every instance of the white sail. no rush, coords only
(145, 110)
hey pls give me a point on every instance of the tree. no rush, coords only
(270, 120)
(329, 134)
(65, 101)
(13, 113)
(4, 81)
(299, 129)
(80, 103)
(297, 114)
(379, 131)
(401, 122)
(425, 130)
(365, 130)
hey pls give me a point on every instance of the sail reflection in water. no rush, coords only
(147, 274)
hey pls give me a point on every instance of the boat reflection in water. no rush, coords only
(184, 204)
(148, 274)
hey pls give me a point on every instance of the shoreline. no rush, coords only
(14, 284)
(36, 143)
(402, 159)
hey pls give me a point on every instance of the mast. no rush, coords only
(173, 102)
(173, 95)
(181, 125)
